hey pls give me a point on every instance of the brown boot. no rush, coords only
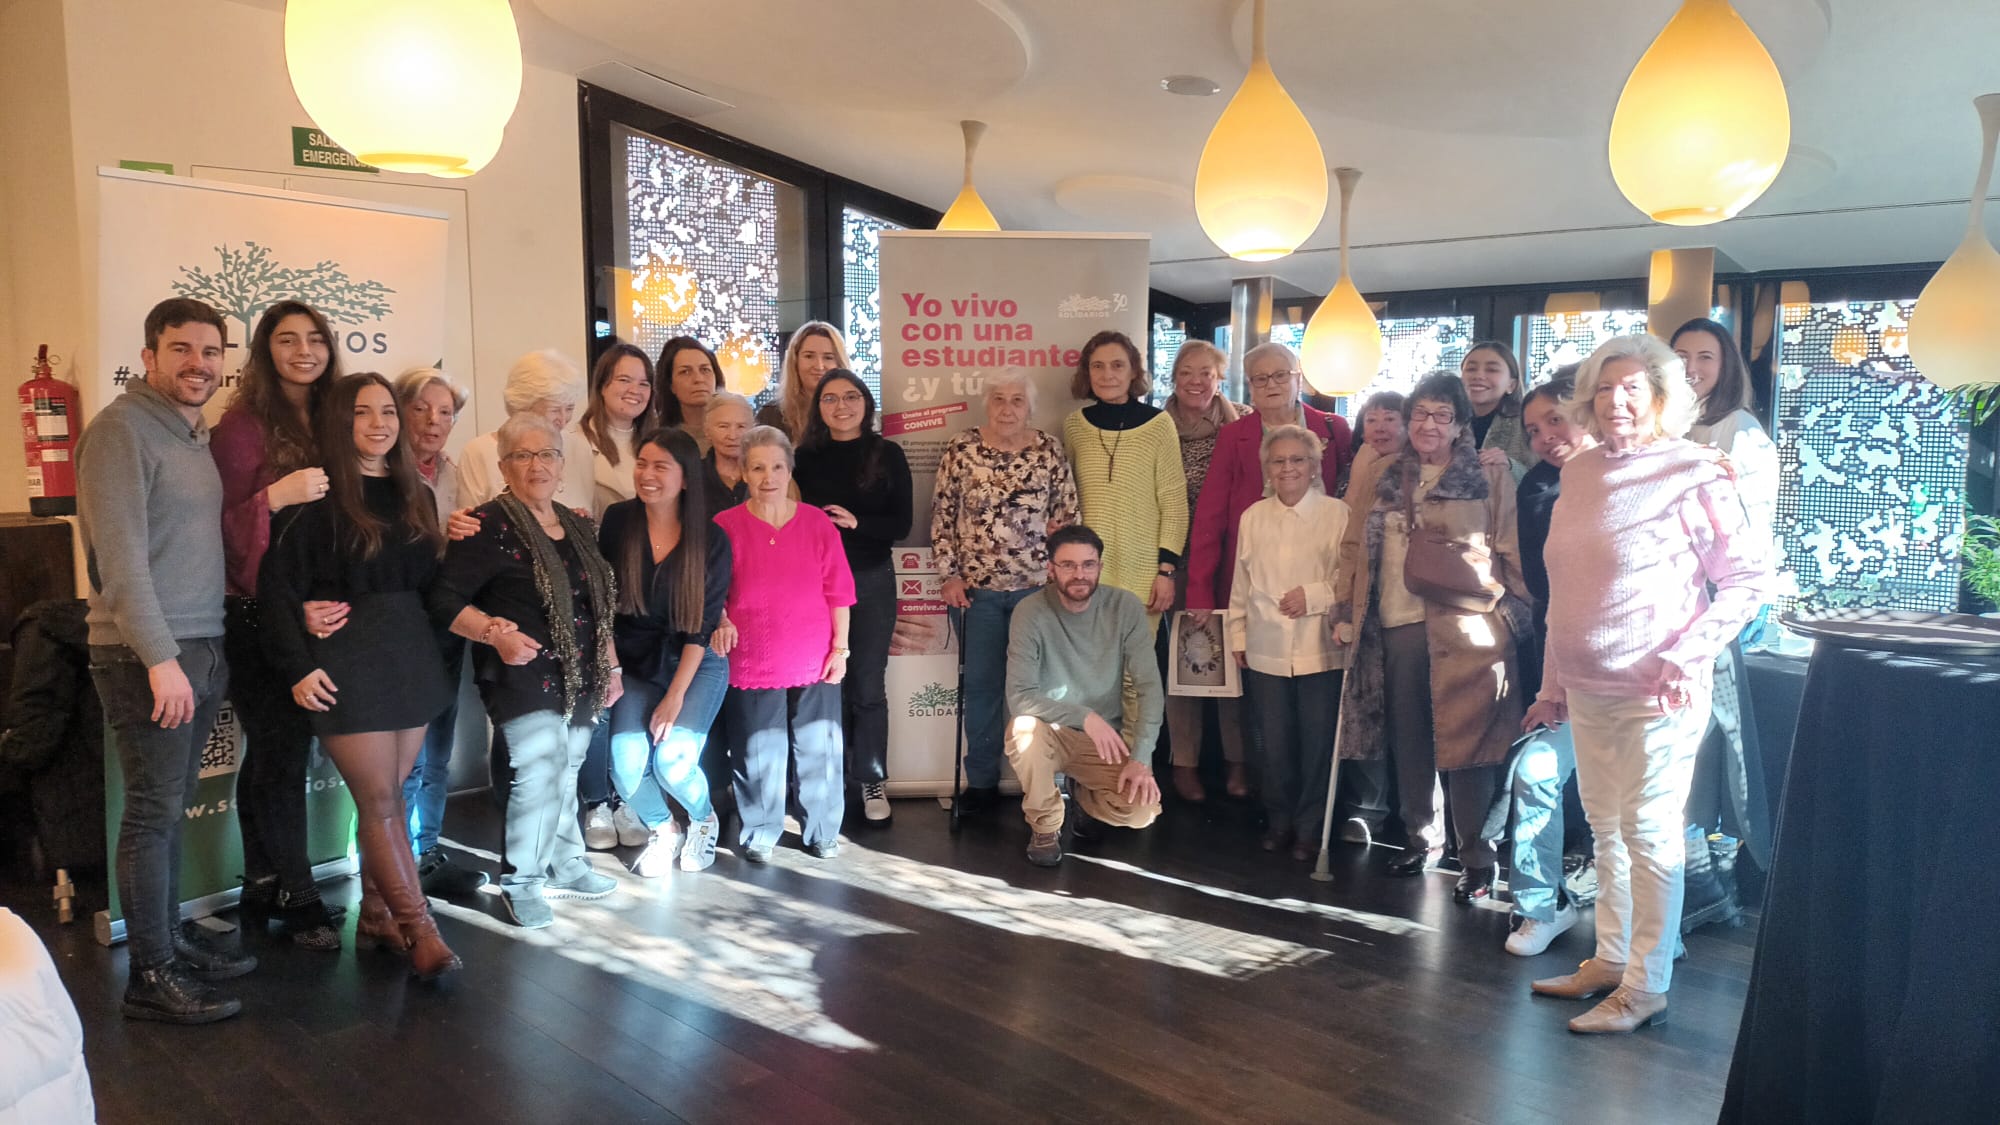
(1592, 978)
(1187, 783)
(376, 928)
(385, 850)
(1238, 784)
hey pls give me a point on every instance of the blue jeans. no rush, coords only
(542, 839)
(593, 778)
(161, 768)
(769, 726)
(983, 635)
(1541, 769)
(645, 774)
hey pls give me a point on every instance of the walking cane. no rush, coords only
(957, 617)
(1323, 871)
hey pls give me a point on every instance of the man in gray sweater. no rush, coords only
(151, 507)
(1071, 650)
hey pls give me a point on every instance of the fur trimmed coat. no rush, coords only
(1477, 697)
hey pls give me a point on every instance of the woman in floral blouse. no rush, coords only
(1001, 490)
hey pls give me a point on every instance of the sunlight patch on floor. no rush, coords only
(1381, 923)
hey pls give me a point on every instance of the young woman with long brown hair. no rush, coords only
(372, 686)
(268, 457)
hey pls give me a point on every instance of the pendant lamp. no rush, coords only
(411, 87)
(1342, 351)
(1260, 189)
(1955, 330)
(1703, 125)
(968, 211)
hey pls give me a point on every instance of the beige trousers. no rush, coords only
(1039, 751)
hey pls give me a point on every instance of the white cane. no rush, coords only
(1323, 871)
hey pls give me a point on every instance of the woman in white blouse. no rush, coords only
(1287, 549)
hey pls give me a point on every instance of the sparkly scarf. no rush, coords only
(552, 583)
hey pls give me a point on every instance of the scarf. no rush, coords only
(1220, 413)
(552, 583)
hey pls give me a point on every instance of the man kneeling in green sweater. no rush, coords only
(1085, 697)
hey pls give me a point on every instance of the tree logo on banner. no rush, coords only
(933, 699)
(250, 280)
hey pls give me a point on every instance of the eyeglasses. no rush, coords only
(545, 456)
(1289, 462)
(851, 398)
(1273, 378)
(1089, 566)
(1441, 417)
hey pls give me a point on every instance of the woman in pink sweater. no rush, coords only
(790, 593)
(1647, 525)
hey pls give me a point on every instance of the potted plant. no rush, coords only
(1979, 561)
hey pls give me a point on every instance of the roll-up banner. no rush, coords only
(956, 306)
(377, 272)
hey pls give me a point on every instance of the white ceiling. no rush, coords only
(1479, 125)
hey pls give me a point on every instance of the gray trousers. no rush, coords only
(542, 840)
(1475, 790)
(161, 769)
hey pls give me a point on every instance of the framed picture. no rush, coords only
(1198, 660)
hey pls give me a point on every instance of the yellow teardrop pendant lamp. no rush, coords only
(1342, 350)
(968, 211)
(1260, 189)
(1703, 125)
(1955, 330)
(405, 85)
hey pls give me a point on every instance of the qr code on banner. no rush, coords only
(223, 751)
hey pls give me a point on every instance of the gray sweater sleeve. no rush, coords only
(112, 486)
(1030, 668)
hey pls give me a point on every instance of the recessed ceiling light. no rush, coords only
(1189, 85)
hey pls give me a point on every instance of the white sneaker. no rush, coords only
(599, 834)
(874, 801)
(699, 852)
(1534, 937)
(658, 858)
(631, 830)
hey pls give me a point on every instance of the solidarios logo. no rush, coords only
(251, 279)
(933, 700)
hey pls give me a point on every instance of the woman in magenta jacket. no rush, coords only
(1236, 477)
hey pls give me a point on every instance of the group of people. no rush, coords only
(674, 602)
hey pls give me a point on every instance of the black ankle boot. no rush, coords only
(309, 923)
(445, 879)
(257, 903)
(168, 994)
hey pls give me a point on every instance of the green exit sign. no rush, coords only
(314, 149)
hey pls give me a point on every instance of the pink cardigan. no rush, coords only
(1236, 481)
(237, 444)
(784, 584)
(1634, 542)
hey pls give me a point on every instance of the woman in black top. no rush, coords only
(371, 686)
(862, 481)
(672, 567)
(531, 591)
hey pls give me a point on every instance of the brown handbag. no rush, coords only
(1438, 568)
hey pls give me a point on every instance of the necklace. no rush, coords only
(1110, 452)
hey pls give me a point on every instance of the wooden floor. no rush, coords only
(1171, 975)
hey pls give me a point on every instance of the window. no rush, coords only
(1413, 347)
(1871, 497)
(1168, 336)
(1553, 341)
(861, 267)
(704, 249)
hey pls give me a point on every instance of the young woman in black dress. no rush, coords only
(374, 684)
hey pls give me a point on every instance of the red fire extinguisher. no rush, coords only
(51, 420)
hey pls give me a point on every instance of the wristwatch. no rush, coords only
(843, 653)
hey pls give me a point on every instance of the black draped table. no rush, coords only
(1875, 994)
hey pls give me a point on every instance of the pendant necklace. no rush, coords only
(1110, 452)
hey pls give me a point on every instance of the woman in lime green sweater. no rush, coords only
(1128, 471)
